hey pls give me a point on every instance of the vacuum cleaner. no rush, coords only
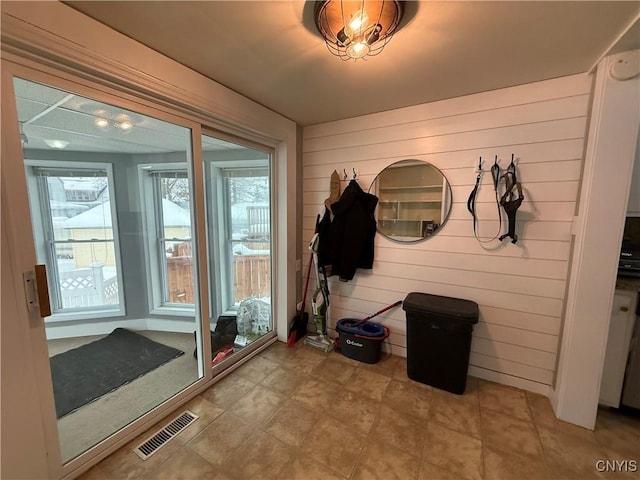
(319, 306)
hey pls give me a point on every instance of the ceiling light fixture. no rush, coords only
(59, 144)
(102, 123)
(122, 122)
(124, 125)
(357, 29)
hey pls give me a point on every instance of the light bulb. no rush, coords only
(126, 125)
(59, 144)
(357, 23)
(101, 123)
(358, 49)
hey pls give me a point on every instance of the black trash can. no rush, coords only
(439, 339)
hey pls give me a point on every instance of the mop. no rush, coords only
(319, 306)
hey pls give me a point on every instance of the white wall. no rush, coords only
(519, 288)
(609, 159)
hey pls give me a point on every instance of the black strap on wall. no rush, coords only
(471, 202)
(509, 201)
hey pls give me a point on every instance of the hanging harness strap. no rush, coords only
(495, 173)
(509, 202)
(471, 202)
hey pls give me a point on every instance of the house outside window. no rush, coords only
(73, 214)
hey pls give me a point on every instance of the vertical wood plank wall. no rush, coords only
(520, 288)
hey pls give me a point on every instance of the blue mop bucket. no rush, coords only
(361, 341)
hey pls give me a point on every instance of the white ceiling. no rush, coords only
(48, 114)
(271, 52)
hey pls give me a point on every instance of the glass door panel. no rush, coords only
(238, 195)
(110, 193)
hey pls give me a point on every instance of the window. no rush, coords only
(247, 197)
(74, 226)
(240, 225)
(167, 193)
(239, 219)
(239, 206)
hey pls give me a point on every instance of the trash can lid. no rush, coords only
(458, 308)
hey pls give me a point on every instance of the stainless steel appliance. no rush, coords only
(631, 388)
(629, 263)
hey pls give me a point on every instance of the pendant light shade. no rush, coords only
(357, 29)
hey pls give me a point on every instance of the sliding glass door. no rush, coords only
(158, 247)
(111, 198)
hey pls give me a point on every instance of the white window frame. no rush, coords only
(158, 304)
(219, 228)
(41, 220)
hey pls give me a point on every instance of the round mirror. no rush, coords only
(414, 200)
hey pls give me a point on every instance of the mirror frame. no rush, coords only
(404, 199)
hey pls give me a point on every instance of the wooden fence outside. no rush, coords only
(252, 276)
(251, 273)
(180, 279)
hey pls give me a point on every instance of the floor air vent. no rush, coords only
(166, 433)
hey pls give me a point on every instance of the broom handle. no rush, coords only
(306, 285)
(388, 307)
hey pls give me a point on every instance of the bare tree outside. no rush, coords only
(176, 189)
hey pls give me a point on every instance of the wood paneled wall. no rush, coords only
(520, 288)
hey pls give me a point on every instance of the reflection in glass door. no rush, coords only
(110, 193)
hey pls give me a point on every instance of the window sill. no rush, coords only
(85, 315)
(174, 311)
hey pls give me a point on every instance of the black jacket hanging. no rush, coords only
(347, 242)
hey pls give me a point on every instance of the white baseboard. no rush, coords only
(87, 328)
(510, 380)
(188, 325)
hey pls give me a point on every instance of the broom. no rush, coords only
(299, 325)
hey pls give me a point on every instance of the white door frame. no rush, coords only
(28, 327)
(598, 228)
(24, 439)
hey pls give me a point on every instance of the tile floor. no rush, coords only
(301, 414)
